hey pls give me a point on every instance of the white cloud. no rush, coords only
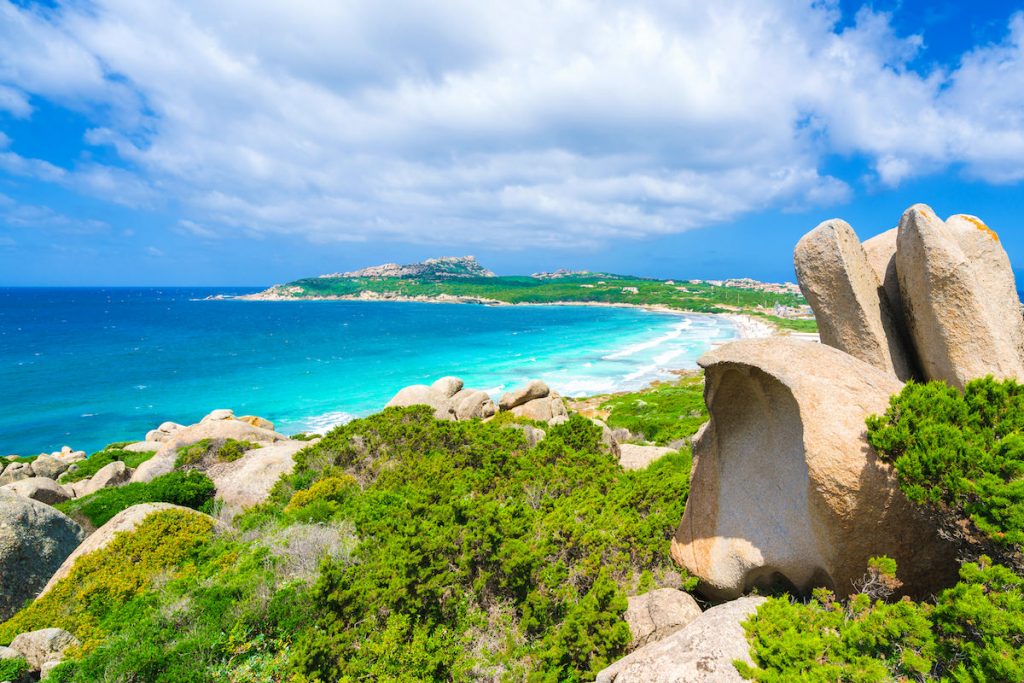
(506, 124)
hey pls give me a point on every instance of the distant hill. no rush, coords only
(443, 268)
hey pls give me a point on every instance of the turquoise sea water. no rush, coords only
(85, 367)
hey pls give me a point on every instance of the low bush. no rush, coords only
(206, 452)
(662, 414)
(85, 469)
(189, 489)
(12, 669)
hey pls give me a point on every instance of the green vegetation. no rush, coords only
(961, 456)
(206, 452)
(793, 324)
(664, 413)
(189, 489)
(588, 287)
(12, 669)
(97, 461)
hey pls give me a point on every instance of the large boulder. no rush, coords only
(49, 466)
(545, 409)
(111, 474)
(659, 613)
(124, 521)
(962, 321)
(848, 299)
(881, 253)
(39, 488)
(447, 386)
(634, 457)
(785, 491)
(421, 394)
(533, 390)
(702, 652)
(34, 540)
(468, 404)
(247, 481)
(42, 646)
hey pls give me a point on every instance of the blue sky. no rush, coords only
(249, 143)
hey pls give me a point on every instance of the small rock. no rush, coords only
(16, 471)
(533, 435)
(220, 414)
(170, 427)
(47, 667)
(49, 466)
(44, 645)
(655, 615)
(112, 474)
(470, 404)
(634, 457)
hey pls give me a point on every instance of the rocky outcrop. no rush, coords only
(848, 300)
(16, 471)
(39, 488)
(42, 646)
(449, 399)
(34, 540)
(655, 615)
(965, 323)
(533, 390)
(881, 253)
(468, 404)
(636, 457)
(785, 489)
(423, 395)
(124, 521)
(702, 652)
(248, 480)
(535, 401)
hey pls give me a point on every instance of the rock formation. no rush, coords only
(635, 457)
(785, 490)
(848, 300)
(43, 646)
(959, 297)
(658, 614)
(34, 540)
(248, 480)
(39, 488)
(702, 652)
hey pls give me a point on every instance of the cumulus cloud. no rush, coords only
(505, 124)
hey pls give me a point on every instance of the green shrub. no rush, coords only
(466, 532)
(94, 463)
(189, 489)
(12, 669)
(209, 451)
(962, 455)
(662, 414)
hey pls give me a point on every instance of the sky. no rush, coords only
(253, 142)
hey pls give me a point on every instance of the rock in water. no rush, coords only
(658, 614)
(786, 490)
(34, 540)
(702, 652)
(962, 323)
(849, 303)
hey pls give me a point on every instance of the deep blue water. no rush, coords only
(85, 367)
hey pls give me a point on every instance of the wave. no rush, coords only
(633, 349)
(321, 424)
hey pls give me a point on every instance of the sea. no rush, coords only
(84, 367)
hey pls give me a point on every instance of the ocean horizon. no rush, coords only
(87, 366)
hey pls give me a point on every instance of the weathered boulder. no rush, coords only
(468, 404)
(256, 421)
(163, 432)
(608, 440)
(247, 481)
(219, 414)
(42, 646)
(533, 390)
(447, 386)
(125, 520)
(532, 434)
(43, 489)
(142, 447)
(111, 474)
(543, 409)
(49, 466)
(658, 614)
(848, 300)
(785, 489)
(994, 274)
(961, 323)
(634, 457)
(163, 461)
(16, 471)
(881, 253)
(421, 394)
(34, 540)
(701, 652)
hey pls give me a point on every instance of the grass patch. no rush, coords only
(663, 413)
(85, 469)
(206, 452)
(189, 489)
